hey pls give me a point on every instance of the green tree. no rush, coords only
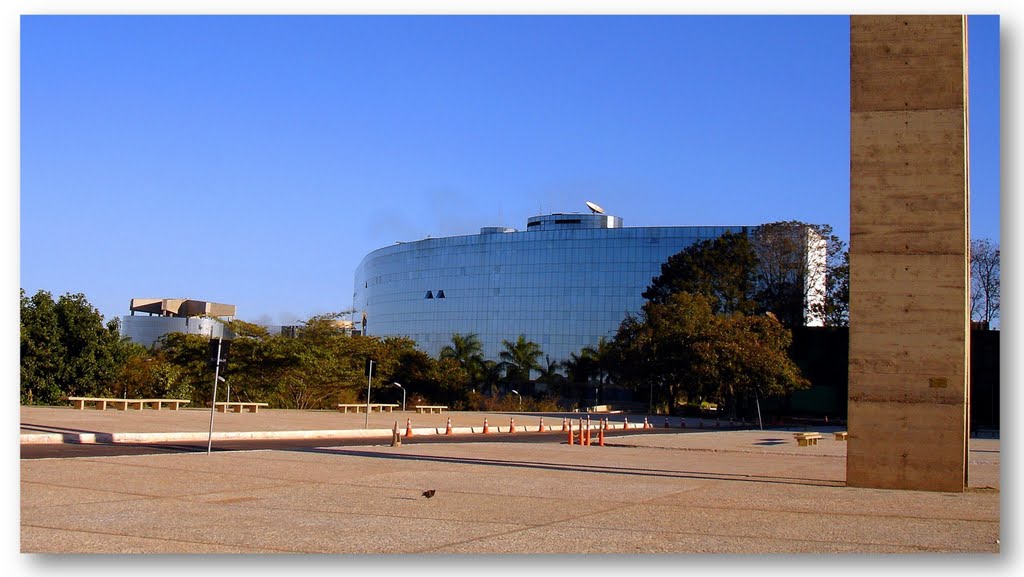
(752, 361)
(42, 350)
(66, 350)
(520, 358)
(680, 351)
(723, 268)
(467, 351)
(189, 353)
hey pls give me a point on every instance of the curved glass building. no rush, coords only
(564, 282)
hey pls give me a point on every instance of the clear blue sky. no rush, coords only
(256, 160)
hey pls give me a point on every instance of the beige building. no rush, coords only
(163, 316)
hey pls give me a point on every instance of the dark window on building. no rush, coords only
(429, 295)
(568, 221)
(440, 294)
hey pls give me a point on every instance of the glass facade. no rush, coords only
(564, 283)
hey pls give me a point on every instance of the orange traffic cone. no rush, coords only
(563, 424)
(570, 432)
(600, 437)
(408, 427)
(540, 428)
(606, 423)
(486, 428)
(448, 429)
(588, 430)
(512, 425)
(646, 424)
(625, 422)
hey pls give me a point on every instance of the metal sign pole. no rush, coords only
(213, 403)
(366, 422)
(757, 400)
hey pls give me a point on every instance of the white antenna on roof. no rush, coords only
(594, 208)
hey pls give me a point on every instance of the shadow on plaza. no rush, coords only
(595, 469)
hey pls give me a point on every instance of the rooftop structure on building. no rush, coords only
(175, 316)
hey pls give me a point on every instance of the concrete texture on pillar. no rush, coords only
(909, 312)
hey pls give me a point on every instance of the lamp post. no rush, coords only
(403, 394)
(520, 399)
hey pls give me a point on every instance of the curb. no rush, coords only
(90, 438)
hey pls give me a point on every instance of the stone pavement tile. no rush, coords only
(156, 477)
(247, 522)
(43, 494)
(969, 506)
(927, 534)
(561, 538)
(50, 540)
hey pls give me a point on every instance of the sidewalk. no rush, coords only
(665, 491)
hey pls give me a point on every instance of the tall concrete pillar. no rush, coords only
(909, 310)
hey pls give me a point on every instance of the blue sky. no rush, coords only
(256, 160)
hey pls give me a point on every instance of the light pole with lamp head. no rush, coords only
(403, 394)
(520, 399)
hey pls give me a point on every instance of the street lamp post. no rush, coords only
(520, 399)
(403, 395)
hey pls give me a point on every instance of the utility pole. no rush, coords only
(369, 378)
(213, 403)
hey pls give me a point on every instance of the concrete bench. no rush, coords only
(431, 408)
(238, 406)
(125, 404)
(840, 435)
(357, 407)
(804, 439)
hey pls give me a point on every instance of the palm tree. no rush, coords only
(591, 363)
(549, 374)
(519, 358)
(466, 350)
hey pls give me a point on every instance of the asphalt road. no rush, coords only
(69, 450)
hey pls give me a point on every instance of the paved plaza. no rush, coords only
(666, 491)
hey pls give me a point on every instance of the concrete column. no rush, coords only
(909, 310)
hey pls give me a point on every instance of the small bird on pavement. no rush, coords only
(428, 494)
